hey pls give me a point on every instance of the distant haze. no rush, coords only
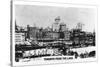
(43, 16)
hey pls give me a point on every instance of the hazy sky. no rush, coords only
(43, 16)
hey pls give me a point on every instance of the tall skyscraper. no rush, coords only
(62, 27)
(55, 25)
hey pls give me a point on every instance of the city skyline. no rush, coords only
(43, 16)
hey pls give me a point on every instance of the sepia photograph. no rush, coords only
(50, 33)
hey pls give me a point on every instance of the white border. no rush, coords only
(46, 4)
